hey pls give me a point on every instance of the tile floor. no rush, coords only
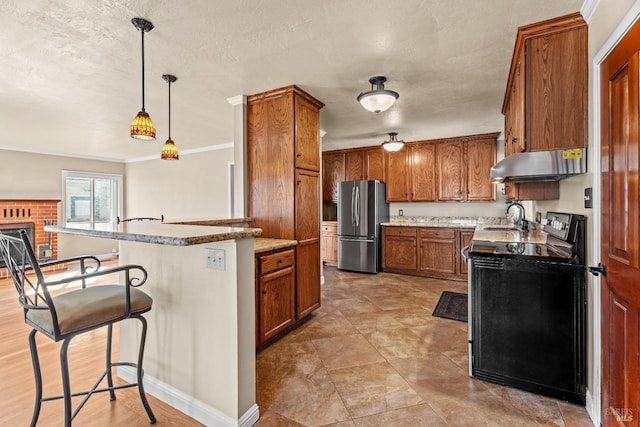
(373, 355)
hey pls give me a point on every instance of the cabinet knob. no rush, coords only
(264, 292)
(514, 140)
(298, 155)
(279, 261)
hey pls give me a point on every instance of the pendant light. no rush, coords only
(142, 126)
(169, 150)
(378, 98)
(393, 144)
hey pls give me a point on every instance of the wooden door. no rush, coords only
(450, 175)
(620, 246)
(374, 164)
(438, 250)
(277, 302)
(423, 172)
(481, 155)
(307, 128)
(399, 248)
(397, 174)
(354, 167)
(332, 174)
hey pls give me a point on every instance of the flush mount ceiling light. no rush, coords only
(393, 144)
(169, 150)
(142, 126)
(378, 98)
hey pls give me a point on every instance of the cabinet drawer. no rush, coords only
(329, 228)
(273, 262)
(400, 231)
(438, 233)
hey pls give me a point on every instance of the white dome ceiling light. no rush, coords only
(378, 98)
(393, 144)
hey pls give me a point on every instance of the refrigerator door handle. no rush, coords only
(357, 207)
(342, 239)
(353, 204)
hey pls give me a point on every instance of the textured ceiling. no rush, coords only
(71, 69)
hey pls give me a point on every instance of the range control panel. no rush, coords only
(557, 224)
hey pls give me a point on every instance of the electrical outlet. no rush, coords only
(400, 212)
(215, 259)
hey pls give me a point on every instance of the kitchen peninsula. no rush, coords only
(200, 350)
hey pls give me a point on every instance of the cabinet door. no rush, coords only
(438, 250)
(397, 174)
(307, 209)
(517, 142)
(556, 91)
(423, 172)
(276, 301)
(270, 148)
(307, 131)
(481, 155)
(399, 248)
(308, 278)
(450, 175)
(354, 165)
(532, 191)
(374, 164)
(465, 239)
(332, 174)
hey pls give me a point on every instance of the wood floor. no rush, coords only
(86, 361)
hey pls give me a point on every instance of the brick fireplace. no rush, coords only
(32, 213)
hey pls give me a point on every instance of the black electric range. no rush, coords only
(527, 309)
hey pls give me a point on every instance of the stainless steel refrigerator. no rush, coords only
(361, 209)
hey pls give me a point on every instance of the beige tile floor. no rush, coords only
(373, 355)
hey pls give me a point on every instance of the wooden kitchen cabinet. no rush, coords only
(354, 165)
(329, 236)
(438, 250)
(283, 156)
(275, 293)
(425, 251)
(411, 173)
(332, 174)
(546, 99)
(451, 171)
(397, 174)
(374, 164)
(399, 246)
(480, 157)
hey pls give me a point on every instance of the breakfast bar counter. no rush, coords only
(200, 351)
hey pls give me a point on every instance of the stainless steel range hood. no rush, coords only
(540, 166)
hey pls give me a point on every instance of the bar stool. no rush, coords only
(62, 314)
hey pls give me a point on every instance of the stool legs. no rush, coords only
(66, 386)
(140, 373)
(38, 377)
(112, 394)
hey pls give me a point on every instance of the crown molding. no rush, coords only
(59, 154)
(183, 152)
(588, 8)
(237, 100)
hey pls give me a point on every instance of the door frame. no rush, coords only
(594, 396)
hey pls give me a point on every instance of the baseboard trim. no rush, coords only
(194, 408)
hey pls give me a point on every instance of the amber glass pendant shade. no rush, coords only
(142, 127)
(169, 151)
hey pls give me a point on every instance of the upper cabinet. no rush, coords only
(451, 169)
(545, 103)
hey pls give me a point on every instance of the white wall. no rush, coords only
(196, 186)
(39, 176)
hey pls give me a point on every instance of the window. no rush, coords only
(91, 201)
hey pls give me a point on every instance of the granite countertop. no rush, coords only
(510, 235)
(164, 233)
(443, 221)
(263, 244)
(226, 222)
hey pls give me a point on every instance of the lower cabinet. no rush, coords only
(275, 293)
(425, 251)
(399, 248)
(329, 238)
(438, 250)
(308, 278)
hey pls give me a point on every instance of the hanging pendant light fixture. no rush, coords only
(142, 126)
(393, 144)
(378, 98)
(169, 150)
